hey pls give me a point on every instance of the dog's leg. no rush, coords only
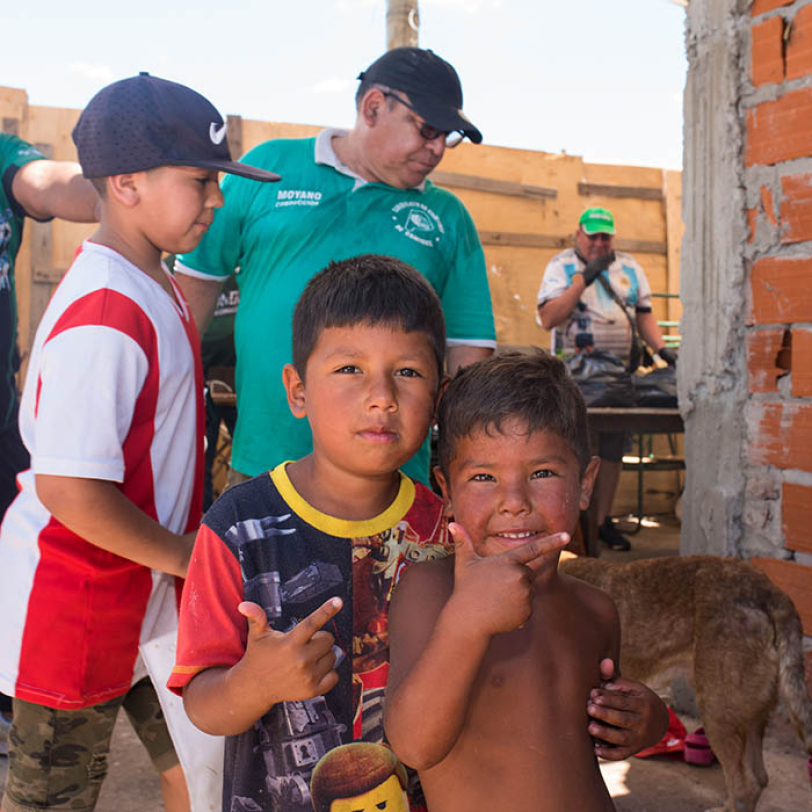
(754, 749)
(735, 690)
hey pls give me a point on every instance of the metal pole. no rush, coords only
(402, 24)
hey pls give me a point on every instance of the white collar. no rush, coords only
(326, 155)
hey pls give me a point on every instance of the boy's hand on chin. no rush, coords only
(494, 594)
(288, 666)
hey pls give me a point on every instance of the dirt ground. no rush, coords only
(636, 785)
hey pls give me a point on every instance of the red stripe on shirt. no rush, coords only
(114, 590)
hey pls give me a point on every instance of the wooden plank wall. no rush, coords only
(525, 204)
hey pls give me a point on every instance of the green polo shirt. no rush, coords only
(282, 234)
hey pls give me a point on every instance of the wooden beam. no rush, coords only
(234, 135)
(50, 276)
(612, 190)
(641, 246)
(519, 240)
(458, 180)
(11, 126)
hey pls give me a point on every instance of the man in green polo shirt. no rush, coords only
(343, 193)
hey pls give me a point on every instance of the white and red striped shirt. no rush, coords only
(113, 392)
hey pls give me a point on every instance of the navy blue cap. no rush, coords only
(431, 83)
(144, 122)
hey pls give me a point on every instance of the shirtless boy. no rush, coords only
(493, 651)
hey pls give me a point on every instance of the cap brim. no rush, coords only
(444, 118)
(236, 168)
(597, 229)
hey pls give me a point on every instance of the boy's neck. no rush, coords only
(342, 494)
(546, 576)
(134, 247)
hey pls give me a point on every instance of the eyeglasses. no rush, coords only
(602, 236)
(427, 132)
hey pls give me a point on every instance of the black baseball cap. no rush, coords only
(144, 122)
(431, 84)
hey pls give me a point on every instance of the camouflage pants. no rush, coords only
(58, 758)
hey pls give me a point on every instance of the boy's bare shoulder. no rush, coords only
(595, 601)
(434, 575)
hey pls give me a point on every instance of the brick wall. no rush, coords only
(777, 119)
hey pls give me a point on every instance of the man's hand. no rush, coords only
(626, 716)
(594, 268)
(668, 355)
(298, 664)
(495, 594)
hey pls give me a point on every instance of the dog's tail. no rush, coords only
(791, 681)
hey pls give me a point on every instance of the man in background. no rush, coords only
(576, 305)
(342, 194)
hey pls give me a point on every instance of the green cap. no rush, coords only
(597, 221)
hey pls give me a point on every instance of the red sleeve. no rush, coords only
(211, 632)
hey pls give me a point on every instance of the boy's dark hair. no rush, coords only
(369, 289)
(100, 185)
(535, 388)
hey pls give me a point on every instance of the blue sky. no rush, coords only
(594, 78)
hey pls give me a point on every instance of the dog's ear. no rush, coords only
(588, 481)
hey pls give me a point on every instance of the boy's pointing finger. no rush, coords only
(305, 629)
(536, 548)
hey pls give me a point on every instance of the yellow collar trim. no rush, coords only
(344, 528)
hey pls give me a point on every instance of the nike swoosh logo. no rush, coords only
(217, 135)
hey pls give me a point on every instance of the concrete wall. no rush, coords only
(745, 372)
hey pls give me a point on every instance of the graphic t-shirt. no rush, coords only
(262, 542)
(14, 152)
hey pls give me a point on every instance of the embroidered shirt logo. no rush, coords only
(418, 222)
(217, 134)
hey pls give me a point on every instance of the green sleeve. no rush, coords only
(466, 296)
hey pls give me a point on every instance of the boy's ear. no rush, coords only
(444, 381)
(439, 476)
(124, 189)
(295, 390)
(588, 481)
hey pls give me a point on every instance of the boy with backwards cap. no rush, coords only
(112, 414)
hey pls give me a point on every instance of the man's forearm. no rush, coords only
(555, 311)
(55, 189)
(650, 331)
(201, 296)
(97, 511)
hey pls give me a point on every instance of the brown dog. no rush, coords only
(731, 632)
